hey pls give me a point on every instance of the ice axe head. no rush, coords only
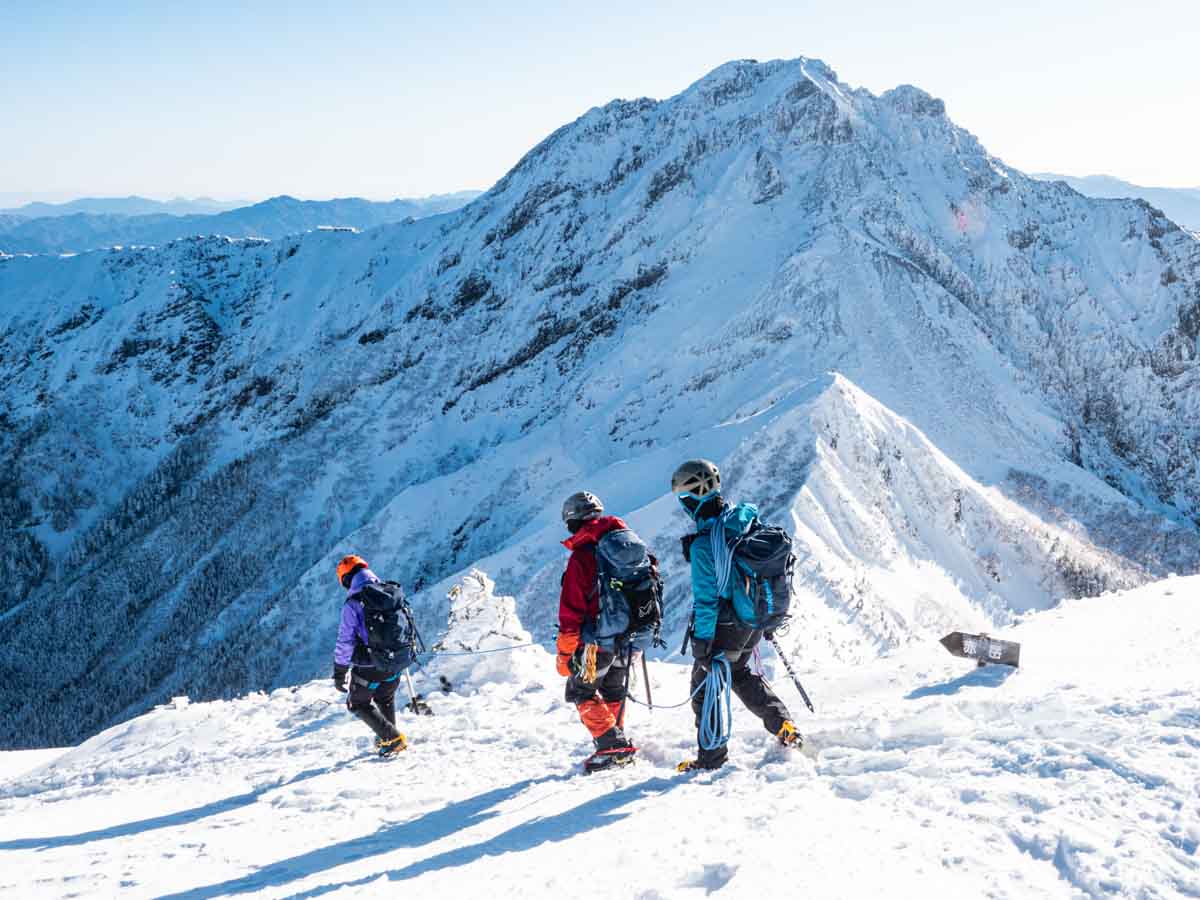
(419, 707)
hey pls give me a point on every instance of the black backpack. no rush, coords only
(392, 637)
(629, 587)
(764, 558)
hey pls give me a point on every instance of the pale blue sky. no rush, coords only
(396, 99)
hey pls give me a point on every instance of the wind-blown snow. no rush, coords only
(1073, 776)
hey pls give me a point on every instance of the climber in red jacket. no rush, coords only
(597, 680)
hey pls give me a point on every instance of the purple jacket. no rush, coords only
(352, 631)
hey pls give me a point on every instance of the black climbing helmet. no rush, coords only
(581, 506)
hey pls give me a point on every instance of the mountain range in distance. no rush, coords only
(132, 205)
(1180, 205)
(25, 230)
(92, 223)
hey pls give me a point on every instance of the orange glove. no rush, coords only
(567, 642)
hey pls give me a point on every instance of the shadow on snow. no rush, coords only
(170, 820)
(987, 676)
(433, 826)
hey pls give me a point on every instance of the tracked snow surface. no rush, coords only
(1074, 776)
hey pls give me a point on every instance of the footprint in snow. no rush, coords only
(712, 877)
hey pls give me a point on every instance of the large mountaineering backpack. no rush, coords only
(764, 561)
(629, 586)
(392, 637)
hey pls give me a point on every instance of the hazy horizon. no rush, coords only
(16, 199)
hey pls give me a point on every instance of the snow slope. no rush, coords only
(1074, 776)
(929, 363)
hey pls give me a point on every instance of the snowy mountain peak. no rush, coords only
(654, 281)
(914, 101)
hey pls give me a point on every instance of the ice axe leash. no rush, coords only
(795, 680)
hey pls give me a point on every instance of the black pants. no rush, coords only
(374, 705)
(738, 643)
(610, 682)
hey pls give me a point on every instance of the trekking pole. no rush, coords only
(646, 678)
(795, 680)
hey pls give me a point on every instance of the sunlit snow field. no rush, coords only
(1076, 775)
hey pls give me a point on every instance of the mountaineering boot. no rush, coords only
(391, 746)
(608, 759)
(612, 739)
(384, 730)
(696, 765)
(612, 749)
(789, 736)
(706, 759)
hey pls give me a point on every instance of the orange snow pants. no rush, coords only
(599, 701)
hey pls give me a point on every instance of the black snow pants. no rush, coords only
(738, 643)
(372, 697)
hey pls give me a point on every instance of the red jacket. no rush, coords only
(579, 601)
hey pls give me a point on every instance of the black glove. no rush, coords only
(702, 652)
(339, 677)
(769, 635)
(685, 544)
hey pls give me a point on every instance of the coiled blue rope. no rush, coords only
(722, 552)
(716, 712)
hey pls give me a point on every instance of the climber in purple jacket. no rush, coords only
(373, 673)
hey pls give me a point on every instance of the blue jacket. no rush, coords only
(706, 605)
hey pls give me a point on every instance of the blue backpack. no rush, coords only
(764, 561)
(629, 589)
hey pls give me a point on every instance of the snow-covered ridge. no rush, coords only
(1074, 775)
(57, 232)
(192, 434)
(1181, 205)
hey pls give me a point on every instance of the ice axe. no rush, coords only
(795, 680)
(416, 702)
